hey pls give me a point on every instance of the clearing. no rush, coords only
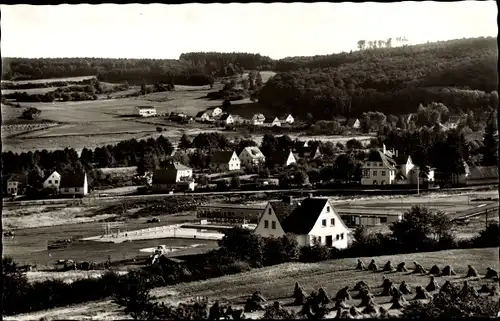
(277, 282)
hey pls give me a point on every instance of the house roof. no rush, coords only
(225, 116)
(283, 209)
(280, 157)
(21, 178)
(315, 152)
(259, 116)
(212, 108)
(302, 219)
(381, 157)
(73, 179)
(221, 157)
(201, 113)
(47, 176)
(177, 166)
(253, 151)
(162, 176)
(351, 121)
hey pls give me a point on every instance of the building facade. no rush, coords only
(74, 184)
(53, 181)
(145, 111)
(225, 161)
(252, 156)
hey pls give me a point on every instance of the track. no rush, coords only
(490, 208)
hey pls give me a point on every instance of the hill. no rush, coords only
(459, 73)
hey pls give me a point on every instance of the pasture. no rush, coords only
(276, 283)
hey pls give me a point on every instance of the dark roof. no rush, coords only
(302, 219)
(176, 165)
(316, 152)
(201, 113)
(381, 157)
(21, 178)
(162, 176)
(221, 157)
(351, 121)
(73, 179)
(225, 116)
(280, 157)
(48, 175)
(283, 209)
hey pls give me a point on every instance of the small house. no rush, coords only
(378, 169)
(273, 123)
(225, 161)
(252, 156)
(145, 111)
(353, 123)
(312, 220)
(214, 112)
(227, 119)
(74, 184)
(288, 119)
(202, 116)
(16, 184)
(52, 181)
(258, 119)
(283, 158)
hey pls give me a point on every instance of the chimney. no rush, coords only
(383, 149)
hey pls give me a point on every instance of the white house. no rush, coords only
(378, 169)
(145, 111)
(74, 184)
(353, 123)
(288, 119)
(312, 220)
(52, 181)
(283, 158)
(225, 161)
(227, 119)
(214, 111)
(178, 171)
(271, 123)
(202, 116)
(252, 156)
(16, 184)
(173, 176)
(258, 119)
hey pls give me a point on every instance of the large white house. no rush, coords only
(214, 111)
(74, 184)
(173, 176)
(52, 181)
(225, 161)
(378, 169)
(252, 156)
(312, 220)
(145, 111)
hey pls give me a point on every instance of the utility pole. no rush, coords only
(418, 180)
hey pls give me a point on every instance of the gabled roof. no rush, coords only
(316, 152)
(302, 219)
(283, 209)
(176, 165)
(254, 152)
(221, 157)
(351, 121)
(280, 157)
(162, 176)
(201, 113)
(381, 157)
(21, 178)
(225, 116)
(73, 179)
(51, 173)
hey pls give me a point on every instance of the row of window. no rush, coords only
(68, 189)
(332, 222)
(373, 164)
(55, 181)
(366, 173)
(329, 238)
(273, 224)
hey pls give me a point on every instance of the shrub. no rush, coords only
(235, 267)
(315, 253)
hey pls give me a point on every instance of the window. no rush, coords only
(56, 181)
(319, 239)
(374, 173)
(366, 173)
(266, 224)
(332, 221)
(382, 173)
(323, 223)
(269, 212)
(328, 209)
(338, 237)
(341, 236)
(66, 189)
(273, 225)
(383, 220)
(50, 182)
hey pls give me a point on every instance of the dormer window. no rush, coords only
(328, 209)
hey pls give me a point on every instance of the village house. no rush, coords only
(145, 111)
(315, 153)
(252, 156)
(311, 220)
(52, 181)
(378, 169)
(283, 158)
(258, 119)
(202, 116)
(178, 171)
(226, 119)
(288, 119)
(214, 112)
(272, 123)
(173, 176)
(16, 184)
(74, 184)
(224, 161)
(353, 123)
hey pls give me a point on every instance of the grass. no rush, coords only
(30, 91)
(41, 81)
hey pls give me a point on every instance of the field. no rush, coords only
(41, 81)
(277, 282)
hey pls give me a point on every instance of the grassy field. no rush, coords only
(41, 81)
(277, 282)
(30, 91)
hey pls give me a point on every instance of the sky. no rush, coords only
(276, 30)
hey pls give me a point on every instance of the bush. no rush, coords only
(315, 253)
(235, 267)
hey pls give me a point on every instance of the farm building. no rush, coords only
(258, 119)
(74, 184)
(52, 181)
(229, 213)
(378, 169)
(16, 184)
(165, 181)
(353, 123)
(225, 161)
(202, 116)
(145, 111)
(352, 217)
(176, 171)
(311, 220)
(272, 123)
(288, 119)
(227, 119)
(283, 158)
(252, 156)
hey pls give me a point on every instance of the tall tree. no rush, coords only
(490, 142)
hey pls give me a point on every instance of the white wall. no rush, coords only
(76, 190)
(269, 216)
(53, 181)
(183, 173)
(333, 230)
(376, 170)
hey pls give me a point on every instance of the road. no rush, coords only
(490, 208)
(293, 190)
